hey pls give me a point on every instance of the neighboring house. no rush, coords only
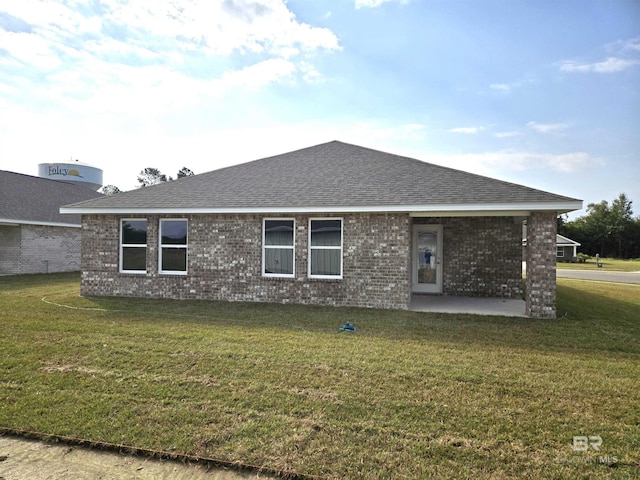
(566, 249)
(34, 236)
(334, 224)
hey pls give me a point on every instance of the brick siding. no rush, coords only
(39, 249)
(482, 257)
(225, 261)
(541, 265)
(9, 249)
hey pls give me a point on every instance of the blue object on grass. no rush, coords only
(347, 327)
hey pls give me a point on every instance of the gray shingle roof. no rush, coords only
(332, 176)
(24, 198)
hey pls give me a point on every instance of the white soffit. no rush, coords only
(481, 210)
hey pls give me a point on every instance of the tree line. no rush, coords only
(607, 229)
(147, 177)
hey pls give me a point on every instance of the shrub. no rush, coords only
(583, 258)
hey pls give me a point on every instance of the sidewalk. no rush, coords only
(22, 459)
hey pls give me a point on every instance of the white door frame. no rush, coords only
(436, 260)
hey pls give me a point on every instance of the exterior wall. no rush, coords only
(568, 255)
(482, 256)
(541, 265)
(39, 249)
(225, 261)
(9, 249)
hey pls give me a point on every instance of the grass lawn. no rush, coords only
(409, 395)
(608, 264)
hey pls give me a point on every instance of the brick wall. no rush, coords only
(47, 249)
(482, 256)
(225, 261)
(9, 249)
(541, 265)
(39, 249)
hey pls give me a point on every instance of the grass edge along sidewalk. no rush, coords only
(408, 395)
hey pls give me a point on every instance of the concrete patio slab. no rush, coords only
(470, 305)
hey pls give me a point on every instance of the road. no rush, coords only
(600, 276)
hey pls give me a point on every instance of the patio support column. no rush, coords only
(541, 265)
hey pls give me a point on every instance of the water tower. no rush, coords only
(74, 172)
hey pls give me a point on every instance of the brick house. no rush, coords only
(334, 224)
(34, 236)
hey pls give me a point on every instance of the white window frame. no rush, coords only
(559, 252)
(131, 245)
(265, 247)
(328, 247)
(171, 245)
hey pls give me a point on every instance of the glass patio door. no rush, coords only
(427, 259)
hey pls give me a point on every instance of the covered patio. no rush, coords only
(508, 307)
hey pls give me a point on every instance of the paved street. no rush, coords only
(600, 276)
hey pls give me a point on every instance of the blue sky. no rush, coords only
(544, 93)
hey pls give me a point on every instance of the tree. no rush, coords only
(598, 223)
(110, 190)
(185, 172)
(621, 219)
(152, 176)
(609, 230)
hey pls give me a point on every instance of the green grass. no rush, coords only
(409, 395)
(610, 264)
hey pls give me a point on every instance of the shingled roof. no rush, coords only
(331, 177)
(34, 200)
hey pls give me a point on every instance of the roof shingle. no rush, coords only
(332, 175)
(24, 198)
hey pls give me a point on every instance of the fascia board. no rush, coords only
(17, 222)
(567, 242)
(478, 209)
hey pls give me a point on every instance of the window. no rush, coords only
(173, 246)
(325, 248)
(133, 246)
(560, 252)
(278, 248)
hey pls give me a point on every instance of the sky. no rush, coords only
(543, 93)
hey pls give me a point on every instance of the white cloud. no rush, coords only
(158, 28)
(30, 50)
(630, 44)
(508, 134)
(309, 73)
(377, 3)
(489, 163)
(500, 87)
(610, 65)
(547, 127)
(222, 27)
(259, 74)
(467, 130)
(146, 57)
